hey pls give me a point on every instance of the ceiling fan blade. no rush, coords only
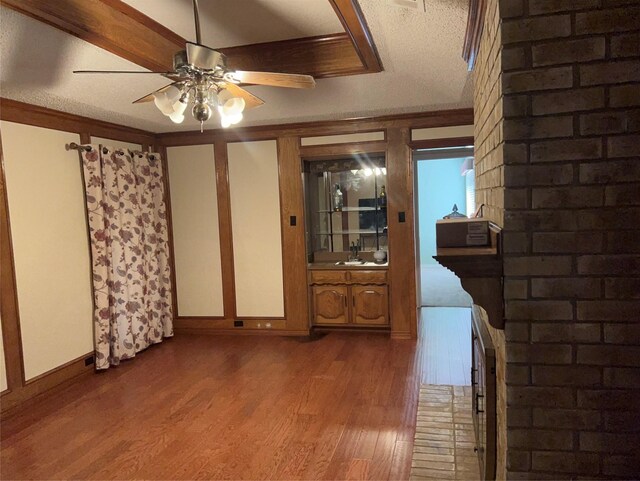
(296, 81)
(251, 100)
(123, 71)
(204, 58)
(149, 97)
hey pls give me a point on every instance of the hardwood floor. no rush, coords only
(446, 349)
(342, 406)
(215, 407)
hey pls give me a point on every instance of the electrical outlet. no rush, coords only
(238, 323)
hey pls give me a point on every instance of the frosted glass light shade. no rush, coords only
(179, 107)
(163, 103)
(235, 119)
(177, 117)
(233, 106)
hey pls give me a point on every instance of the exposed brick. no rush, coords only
(612, 219)
(609, 442)
(623, 242)
(566, 376)
(622, 421)
(532, 396)
(516, 198)
(624, 145)
(622, 333)
(516, 331)
(568, 51)
(537, 7)
(517, 176)
(539, 79)
(518, 460)
(515, 105)
(604, 123)
(618, 310)
(563, 197)
(513, 58)
(515, 289)
(621, 288)
(565, 462)
(607, 172)
(567, 242)
(518, 375)
(610, 73)
(538, 266)
(603, 21)
(609, 399)
(518, 417)
(629, 356)
(627, 45)
(511, 8)
(624, 96)
(566, 418)
(515, 153)
(539, 310)
(538, 128)
(622, 467)
(527, 29)
(565, 332)
(608, 264)
(618, 377)
(539, 353)
(540, 220)
(515, 243)
(532, 438)
(561, 287)
(568, 101)
(556, 150)
(627, 194)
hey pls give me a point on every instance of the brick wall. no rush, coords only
(488, 162)
(565, 186)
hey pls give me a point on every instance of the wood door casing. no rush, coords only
(330, 305)
(370, 304)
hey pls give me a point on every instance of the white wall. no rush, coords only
(442, 132)
(257, 236)
(118, 144)
(342, 138)
(50, 245)
(196, 235)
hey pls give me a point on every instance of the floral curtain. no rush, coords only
(129, 252)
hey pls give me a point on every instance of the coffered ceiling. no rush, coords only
(419, 52)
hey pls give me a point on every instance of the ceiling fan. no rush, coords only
(200, 74)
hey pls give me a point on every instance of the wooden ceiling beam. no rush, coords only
(353, 21)
(120, 29)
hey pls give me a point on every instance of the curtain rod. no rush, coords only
(87, 148)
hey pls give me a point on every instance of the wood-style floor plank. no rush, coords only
(228, 408)
(224, 407)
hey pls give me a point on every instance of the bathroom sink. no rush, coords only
(356, 263)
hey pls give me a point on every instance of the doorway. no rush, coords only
(445, 183)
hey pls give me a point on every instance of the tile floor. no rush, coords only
(444, 441)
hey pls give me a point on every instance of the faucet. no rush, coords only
(354, 250)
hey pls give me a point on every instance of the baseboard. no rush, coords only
(50, 382)
(239, 331)
(401, 335)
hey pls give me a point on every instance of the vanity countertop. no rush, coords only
(333, 266)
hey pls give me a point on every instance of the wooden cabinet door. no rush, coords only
(330, 304)
(370, 304)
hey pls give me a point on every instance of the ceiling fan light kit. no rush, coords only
(200, 74)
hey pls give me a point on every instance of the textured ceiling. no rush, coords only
(227, 23)
(420, 51)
